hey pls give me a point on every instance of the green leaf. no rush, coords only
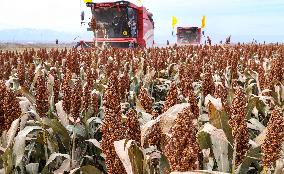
(139, 106)
(58, 128)
(164, 164)
(54, 156)
(256, 125)
(199, 172)
(220, 120)
(254, 102)
(130, 155)
(52, 144)
(136, 158)
(204, 140)
(78, 129)
(252, 156)
(90, 170)
(100, 87)
(7, 158)
(32, 168)
(94, 119)
(95, 142)
(20, 143)
(250, 106)
(260, 106)
(51, 158)
(220, 146)
(12, 132)
(25, 92)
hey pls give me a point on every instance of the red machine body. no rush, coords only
(188, 35)
(122, 24)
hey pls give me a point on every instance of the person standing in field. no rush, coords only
(209, 40)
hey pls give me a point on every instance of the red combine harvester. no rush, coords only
(121, 24)
(188, 35)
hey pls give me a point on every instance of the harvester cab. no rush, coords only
(121, 24)
(189, 35)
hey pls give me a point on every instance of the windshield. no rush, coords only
(116, 22)
(188, 35)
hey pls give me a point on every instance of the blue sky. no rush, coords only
(243, 19)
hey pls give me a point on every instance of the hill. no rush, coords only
(27, 35)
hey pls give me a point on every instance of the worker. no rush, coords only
(228, 40)
(132, 22)
(56, 41)
(120, 24)
(209, 40)
(133, 28)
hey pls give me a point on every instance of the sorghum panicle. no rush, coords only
(56, 85)
(95, 103)
(124, 85)
(11, 108)
(239, 126)
(274, 138)
(21, 72)
(2, 119)
(172, 97)
(261, 76)
(221, 92)
(133, 131)
(30, 75)
(86, 98)
(7, 70)
(193, 104)
(76, 100)
(275, 74)
(145, 100)
(66, 90)
(182, 150)
(208, 86)
(42, 104)
(112, 130)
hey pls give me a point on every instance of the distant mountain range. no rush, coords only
(40, 36)
(28, 35)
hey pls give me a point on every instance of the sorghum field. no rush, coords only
(194, 109)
